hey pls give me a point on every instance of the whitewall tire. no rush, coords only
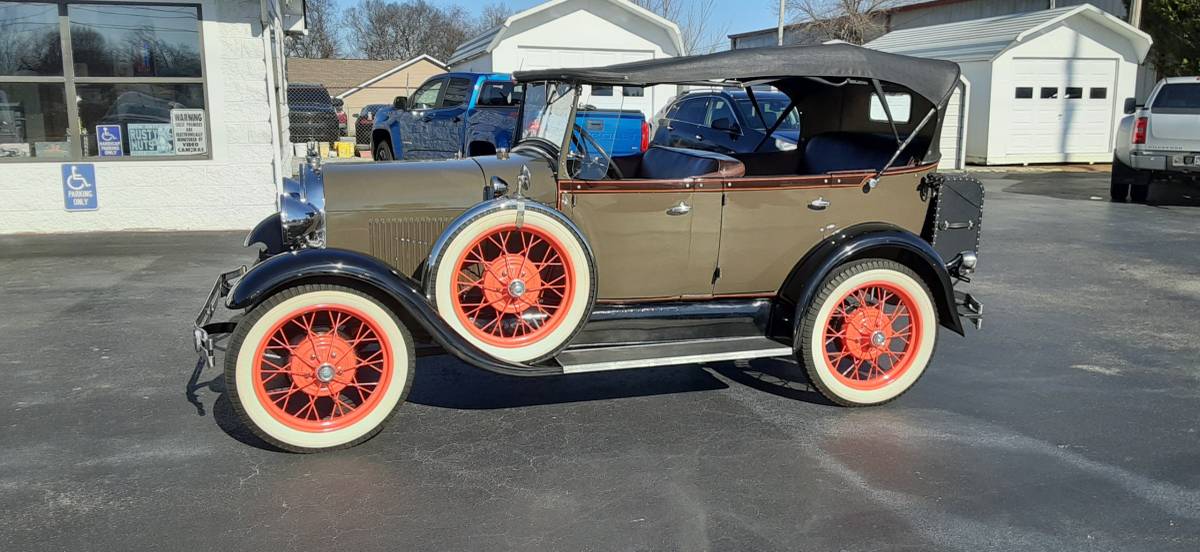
(318, 367)
(518, 292)
(869, 333)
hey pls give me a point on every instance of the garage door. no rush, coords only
(1062, 109)
(613, 97)
(951, 144)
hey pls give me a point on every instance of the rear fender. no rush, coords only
(873, 241)
(397, 291)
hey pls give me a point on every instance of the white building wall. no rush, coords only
(979, 74)
(1077, 38)
(233, 190)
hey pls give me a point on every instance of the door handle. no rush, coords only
(819, 204)
(426, 118)
(681, 208)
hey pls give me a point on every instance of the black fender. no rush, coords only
(873, 240)
(343, 266)
(269, 232)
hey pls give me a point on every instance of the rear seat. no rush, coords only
(850, 151)
(665, 163)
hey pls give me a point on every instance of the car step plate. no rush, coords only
(599, 359)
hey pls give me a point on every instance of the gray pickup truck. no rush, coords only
(1158, 141)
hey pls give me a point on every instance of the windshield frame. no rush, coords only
(570, 90)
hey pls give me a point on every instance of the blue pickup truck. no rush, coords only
(471, 114)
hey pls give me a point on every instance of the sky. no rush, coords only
(744, 15)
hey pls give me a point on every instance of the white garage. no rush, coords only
(578, 33)
(1046, 86)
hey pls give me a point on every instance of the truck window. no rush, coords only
(498, 94)
(1177, 98)
(426, 97)
(457, 92)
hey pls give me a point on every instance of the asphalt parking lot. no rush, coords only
(1071, 422)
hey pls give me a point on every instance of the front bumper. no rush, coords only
(204, 329)
(970, 308)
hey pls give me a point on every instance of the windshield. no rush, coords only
(1182, 97)
(771, 108)
(547, 111)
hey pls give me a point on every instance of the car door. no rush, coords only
(443, 134)
(683, 130)
(412, 123)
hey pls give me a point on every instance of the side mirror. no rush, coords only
(337, 102)
(1130, 106)
(725, 124)
(400, 103)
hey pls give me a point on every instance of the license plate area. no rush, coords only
(1186, 160)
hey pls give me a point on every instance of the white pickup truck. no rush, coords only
(1159, 140)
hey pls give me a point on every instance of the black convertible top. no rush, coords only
(933, 79)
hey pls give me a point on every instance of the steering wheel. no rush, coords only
(581, 135)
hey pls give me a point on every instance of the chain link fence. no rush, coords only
(314, 116)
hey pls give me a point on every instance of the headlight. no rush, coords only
(302, 210)
(784, 145)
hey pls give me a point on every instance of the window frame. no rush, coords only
(707, 99)
(444, 80)
(69, 81)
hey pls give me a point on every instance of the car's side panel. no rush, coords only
(642, 251)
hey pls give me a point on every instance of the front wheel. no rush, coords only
(318, 367)
(869, 333)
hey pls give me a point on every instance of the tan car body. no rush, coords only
(740, 237)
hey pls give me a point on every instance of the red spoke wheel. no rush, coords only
(517, 291)
(869, 333)
(318, 367)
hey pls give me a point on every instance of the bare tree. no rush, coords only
(382, 29)
(321, 41)
(702, 32)
(491, 15)
(854, 21)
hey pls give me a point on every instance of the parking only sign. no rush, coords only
(108, 140)
(79, 187)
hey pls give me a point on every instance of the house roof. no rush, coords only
(343, 77)
(488, 40)
(893, 6)
(985, 39)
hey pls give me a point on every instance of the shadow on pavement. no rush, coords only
(1094, 187)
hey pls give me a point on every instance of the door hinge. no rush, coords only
(716, 274)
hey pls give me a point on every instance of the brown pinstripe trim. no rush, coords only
(846, 179)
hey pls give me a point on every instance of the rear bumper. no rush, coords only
(1167, 161)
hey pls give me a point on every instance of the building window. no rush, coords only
(137, 78)
(602, 90)
(1098, 94)
(1074, 93)
(1049, 93)
(1024, 92)
(633, 91)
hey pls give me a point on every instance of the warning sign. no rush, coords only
(188, 128)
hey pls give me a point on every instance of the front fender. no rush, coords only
(873, 240)
(343, 266)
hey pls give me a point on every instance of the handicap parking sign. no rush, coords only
(108, 140)
(79, 187)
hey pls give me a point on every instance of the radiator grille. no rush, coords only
(404, 242)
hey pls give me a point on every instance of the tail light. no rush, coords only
(645, 135)
(1139, 130)
(341, 116)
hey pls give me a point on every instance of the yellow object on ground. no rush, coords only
(345, 150)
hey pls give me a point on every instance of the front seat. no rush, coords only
(667, 163)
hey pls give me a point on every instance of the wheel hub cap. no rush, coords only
(325, 373)
(511, 283)
(516, 288)
(323, 364)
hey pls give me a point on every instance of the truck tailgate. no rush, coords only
(619, 132)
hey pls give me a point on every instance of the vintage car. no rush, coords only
(556, 258)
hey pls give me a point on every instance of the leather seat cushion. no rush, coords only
(665, 163)
(850, 151)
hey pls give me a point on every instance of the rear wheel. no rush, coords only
(318, 367)
(869, 333)
(519, 291)
(1119, 183)
(1139, 193)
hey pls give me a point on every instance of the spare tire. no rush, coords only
(513, 277)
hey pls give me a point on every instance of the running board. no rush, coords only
(599, 359)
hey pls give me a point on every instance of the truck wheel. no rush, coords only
(383, 151)
(518, 292)
(868, 334)
(1118, 187)
(318, 367)
(1139, 193)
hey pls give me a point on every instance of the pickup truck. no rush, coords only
(472, 114)
(1160, 140)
